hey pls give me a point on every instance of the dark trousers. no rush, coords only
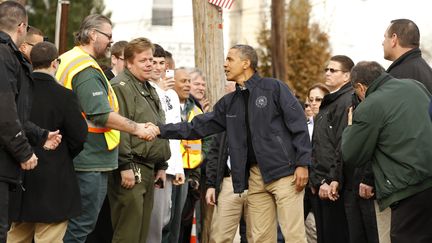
(280, 237)
(411, 219)
(331, 221)
(131, 208)
(4, 207)
(193, 196)
(310, 202)
(242, 229)
(361, 218)
(171, 232)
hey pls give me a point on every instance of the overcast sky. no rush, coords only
(356, 27)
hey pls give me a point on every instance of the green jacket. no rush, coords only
(391, 128)
(139, 102)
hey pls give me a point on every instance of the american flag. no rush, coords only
(222, 3)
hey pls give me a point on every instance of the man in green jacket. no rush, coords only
(140, 164)
(391, 127)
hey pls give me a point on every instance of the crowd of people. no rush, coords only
(135, 152)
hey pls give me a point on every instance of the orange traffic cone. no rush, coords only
(193, 238)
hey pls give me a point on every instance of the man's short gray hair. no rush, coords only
(91, 22)
(197, 71)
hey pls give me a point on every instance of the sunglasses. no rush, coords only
(306, 105)
(58, 60)
(105, 34)
(317, 99)
(28, 26)
(332, 70)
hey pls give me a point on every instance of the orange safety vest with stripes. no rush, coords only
(73, 62)
(191, 149)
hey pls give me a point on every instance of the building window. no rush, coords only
(162, 12)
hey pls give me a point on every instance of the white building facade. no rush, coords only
(168, 23)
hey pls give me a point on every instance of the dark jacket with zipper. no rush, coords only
(279, 134)
(411, 65)
(16, 132)
(52, 193)
(327, 164)
(383, 132)
(217, 167)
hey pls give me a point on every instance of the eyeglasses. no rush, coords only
(27, 28)
(306, 105)
(58, 60)
(316, 99)
(332, 70)
(105, 34)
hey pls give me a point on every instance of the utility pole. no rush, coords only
(209, 51)
(278, 40)
(61, 25)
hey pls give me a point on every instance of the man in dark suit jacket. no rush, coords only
(52, 194)
(401, 45)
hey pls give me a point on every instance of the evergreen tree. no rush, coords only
(264, 51)
(42, 15)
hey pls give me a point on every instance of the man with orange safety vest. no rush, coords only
(80, 72)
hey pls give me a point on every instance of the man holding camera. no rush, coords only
(163, 82)
(191, 156)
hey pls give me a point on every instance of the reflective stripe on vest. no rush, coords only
(191, 149)
(93, 128)
(73, 62)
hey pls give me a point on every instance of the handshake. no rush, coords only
(147, 131)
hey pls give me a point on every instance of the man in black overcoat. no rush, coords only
(52, 194)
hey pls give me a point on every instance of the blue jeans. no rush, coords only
(93, 188)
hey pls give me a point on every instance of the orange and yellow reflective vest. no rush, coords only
(73, 62)
(191, 149)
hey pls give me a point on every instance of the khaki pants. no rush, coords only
(383, 223)
(227, 214)
(280, 198)
(40, 232)
(206, 219)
